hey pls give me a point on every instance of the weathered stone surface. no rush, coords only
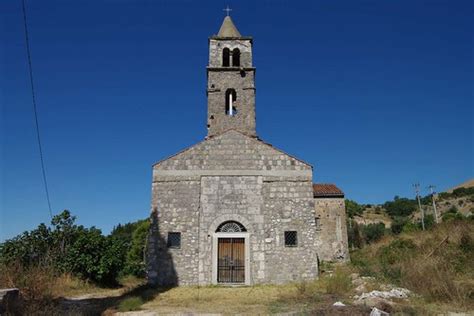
(220, 79)
(234, 176)
(267, 206)
(332, 231)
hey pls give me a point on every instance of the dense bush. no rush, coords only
(354, 234)
(353, 208)
(66, 247)
(397, 224)
(457, 193)
(400, 207)
(452, 214)
(135, 261)
(373, 232)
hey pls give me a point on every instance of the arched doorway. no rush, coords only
(231, 254)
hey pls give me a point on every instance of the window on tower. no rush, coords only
(226, 57)
(236, 57)
(230, 98)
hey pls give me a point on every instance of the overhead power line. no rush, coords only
(35, 110)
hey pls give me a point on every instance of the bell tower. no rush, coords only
(230, 82)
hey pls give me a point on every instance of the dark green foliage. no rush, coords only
(95, 257)
(410, 227)
(429, 221)
(125, 231)
(373, 232)
(400, 207)
(452, 214)
(354, 234)
(459, 192)
(67, 247)
(397, 224)
(135, 260)
(134, 236)
(353, 209)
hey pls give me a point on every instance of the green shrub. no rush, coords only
(401, 207)
(373, 232)
(354, 235)
(459, 192)
(397, 225)
(390, 257)
(452, 214)
(410, 227)
(429, 221)
(130, 304)
(135, 261)
(353, 208)
(67, 248)
(339, 283)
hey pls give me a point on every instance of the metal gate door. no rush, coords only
(231, 260)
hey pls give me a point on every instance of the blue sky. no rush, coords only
(375, 94)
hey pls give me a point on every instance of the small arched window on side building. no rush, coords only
(226, 57)
(230, 98)
(236, 57)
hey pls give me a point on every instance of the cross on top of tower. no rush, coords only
(227, 10)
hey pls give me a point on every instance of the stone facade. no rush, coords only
(332, 230)
(233, 176)
(240, 78)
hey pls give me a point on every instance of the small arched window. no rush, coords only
(226, 57)
(231, 227)
(236, 57)
(230, 98)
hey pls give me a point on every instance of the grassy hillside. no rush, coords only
(436, 264)
(403, 214)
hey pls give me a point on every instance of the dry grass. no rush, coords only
(227, 300)
(436, 264)
(40, 288)
(260, 299)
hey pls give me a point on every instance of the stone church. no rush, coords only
(233, 209)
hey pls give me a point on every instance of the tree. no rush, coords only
(135, 262)
(400, 207)
(67, 247)
(353, 208)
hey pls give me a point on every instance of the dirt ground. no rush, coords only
(256, 300)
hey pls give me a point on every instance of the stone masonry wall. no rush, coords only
(288, 206)
(216, 46)
(232, 177)
(177, 206)
(220, 79)
(332, 241)
(243, 84)
(237, 198)
(230, 151)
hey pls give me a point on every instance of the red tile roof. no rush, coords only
(326, 190)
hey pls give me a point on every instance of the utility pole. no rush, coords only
(431, 187)
(417, 190)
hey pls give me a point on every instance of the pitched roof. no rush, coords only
(257, 140)
(228, 29)
(326, 190)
